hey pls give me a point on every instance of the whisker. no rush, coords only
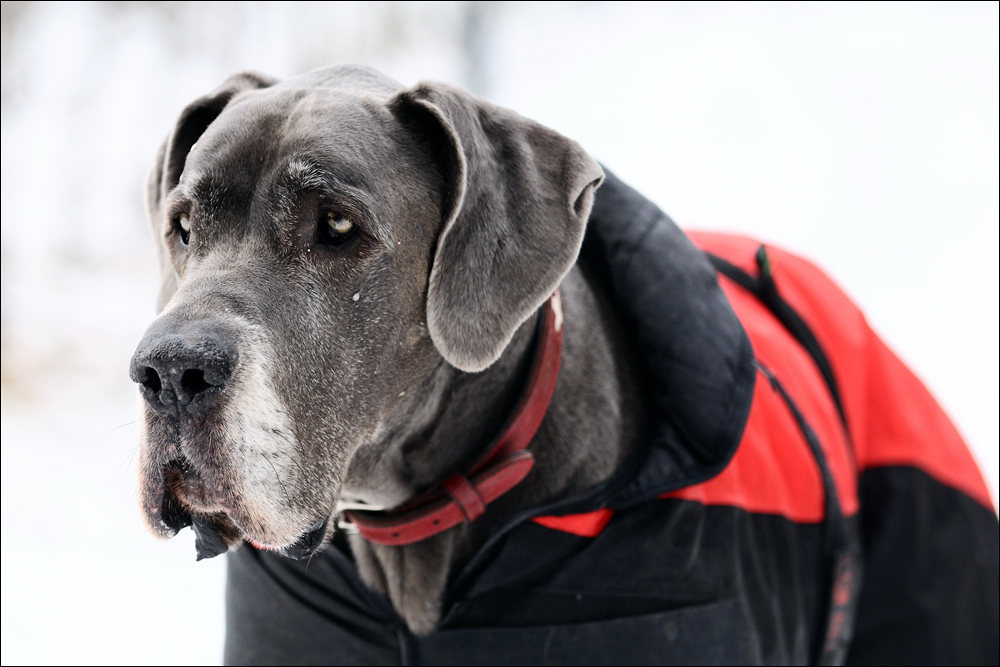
(278, 477)
(101, 437)
(128, 460)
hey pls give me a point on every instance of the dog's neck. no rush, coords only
(592, 423)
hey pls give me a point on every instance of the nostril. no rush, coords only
(151, 380)
(193, 381)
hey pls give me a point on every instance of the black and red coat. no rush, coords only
(801, 498)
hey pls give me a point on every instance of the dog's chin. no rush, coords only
(308, 544)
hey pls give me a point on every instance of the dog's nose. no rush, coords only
(182, 374)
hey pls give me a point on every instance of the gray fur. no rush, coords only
(368, 372)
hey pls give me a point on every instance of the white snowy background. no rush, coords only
(862, 136)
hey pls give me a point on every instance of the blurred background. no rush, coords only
(864, 136)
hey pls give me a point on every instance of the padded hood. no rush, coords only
(697, 355)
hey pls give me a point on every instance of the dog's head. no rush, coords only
(325, 242)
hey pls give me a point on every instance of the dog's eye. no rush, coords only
(339, 223)
(184, 228)
(335, 229)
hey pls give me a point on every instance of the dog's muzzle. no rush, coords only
(198, 472)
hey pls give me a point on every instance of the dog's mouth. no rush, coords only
(189, 501)
(189, 489)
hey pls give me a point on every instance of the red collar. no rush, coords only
(464, 497)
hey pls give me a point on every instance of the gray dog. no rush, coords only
(365, 285)
(350, 276)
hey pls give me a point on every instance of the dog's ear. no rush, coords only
(191, 124)
(154, 212)
(170, 158)
(517, 199)
(196, 118)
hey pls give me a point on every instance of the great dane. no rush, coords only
(351, 276)
(563, 432)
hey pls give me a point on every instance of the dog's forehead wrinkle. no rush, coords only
(219, 190)
(189, 183)
(304, 172)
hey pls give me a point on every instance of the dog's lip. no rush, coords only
(206, 503)
(209, 542)
(190, 489)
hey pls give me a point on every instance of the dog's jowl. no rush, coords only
(448, 392)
